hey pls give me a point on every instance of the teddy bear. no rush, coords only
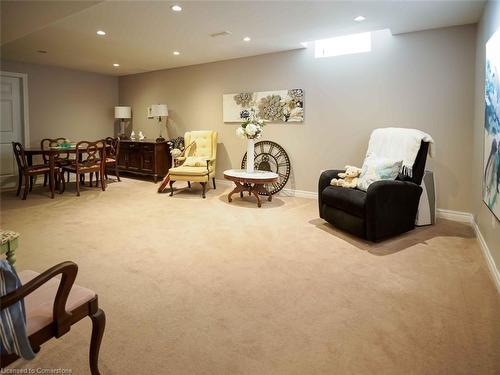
(349, 179)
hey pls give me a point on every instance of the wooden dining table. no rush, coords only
(51, 153)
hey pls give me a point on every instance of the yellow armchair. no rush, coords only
(197, 164)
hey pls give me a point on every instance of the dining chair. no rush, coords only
(61, 159)
(90, 158)
(53, 304)
(27, 171)
(112, 151)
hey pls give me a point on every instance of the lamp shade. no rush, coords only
(123, 112)
(159, 110)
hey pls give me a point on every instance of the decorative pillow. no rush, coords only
(195, 161)
(376, 169)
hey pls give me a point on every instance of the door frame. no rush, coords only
(24, 103)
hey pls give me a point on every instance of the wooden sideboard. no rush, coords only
(146, 158)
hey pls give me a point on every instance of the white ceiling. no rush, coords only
(141, 35)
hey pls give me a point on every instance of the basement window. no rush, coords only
(343, 45)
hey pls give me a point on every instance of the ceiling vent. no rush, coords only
(222, 33)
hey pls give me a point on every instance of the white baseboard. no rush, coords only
(467, 217)
(490, 262)
(223, 182)
(298, 193)
(462, 217)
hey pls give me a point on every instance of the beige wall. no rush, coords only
(488, 224)
(67, 103)
(423, 80)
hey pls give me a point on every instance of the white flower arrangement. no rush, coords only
(252, 127)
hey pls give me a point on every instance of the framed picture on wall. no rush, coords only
(491, 169)
(279, 106)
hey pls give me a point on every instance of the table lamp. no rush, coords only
(159, 110)
(122, 113)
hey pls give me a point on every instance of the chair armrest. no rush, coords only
(186, 148)
(68, 270)
(178, 161)
(391, 204)
(209, 162)
(324, 181)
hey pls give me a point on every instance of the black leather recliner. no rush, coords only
(386, 209)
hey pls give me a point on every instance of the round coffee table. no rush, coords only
(251, 182)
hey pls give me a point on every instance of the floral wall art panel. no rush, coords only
(491, 173)
(270, 106)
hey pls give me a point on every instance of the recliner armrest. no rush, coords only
(324, 181)
(386, 188)
(391, 204)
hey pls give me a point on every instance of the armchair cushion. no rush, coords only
(195, 161)
(204, 143)
(345, 199)
(191, 171)
(39, 304)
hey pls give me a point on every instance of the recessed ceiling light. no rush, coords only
(100, 32)
(116, 65)
(177, 53)
(246, 39)
(359, 18)
(176, 8)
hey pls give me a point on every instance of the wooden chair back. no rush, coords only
(90, 154)
(20, 156)
(113, 147)
(47, 143)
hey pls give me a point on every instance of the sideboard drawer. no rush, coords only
(148, 161)
(129, 146)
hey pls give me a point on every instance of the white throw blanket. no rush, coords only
(399, 144)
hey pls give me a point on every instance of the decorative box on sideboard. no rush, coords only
(145, 158)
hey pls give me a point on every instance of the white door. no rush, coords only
(11, 127)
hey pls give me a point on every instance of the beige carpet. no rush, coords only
(193, 286)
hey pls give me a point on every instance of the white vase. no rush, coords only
(250, 156)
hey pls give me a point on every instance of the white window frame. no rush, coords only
(343, 45)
